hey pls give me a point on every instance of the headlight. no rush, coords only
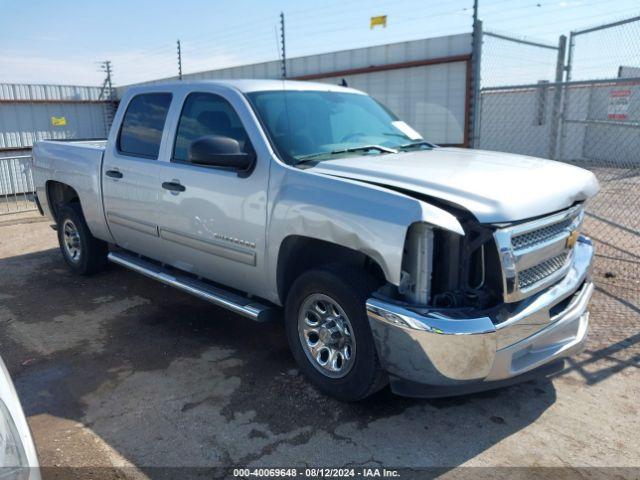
(13, 460)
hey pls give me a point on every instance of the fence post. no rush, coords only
(474, 104)
(570, 56)
(179, 60)
(556, 109)
(565, 97)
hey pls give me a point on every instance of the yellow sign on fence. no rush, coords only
(380, 20)
(58, 121)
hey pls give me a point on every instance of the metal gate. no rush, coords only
(17, 191)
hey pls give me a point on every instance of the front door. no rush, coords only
(212, 220)
(131, 173)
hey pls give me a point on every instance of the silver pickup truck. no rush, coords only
(437, 270)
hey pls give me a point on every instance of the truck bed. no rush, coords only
(78, 164)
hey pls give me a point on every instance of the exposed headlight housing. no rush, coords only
(443, 269)
(417, 264)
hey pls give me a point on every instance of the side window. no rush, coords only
(142, 125)
(205, 114)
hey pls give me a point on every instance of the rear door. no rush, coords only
(131, 185)
(214, 224)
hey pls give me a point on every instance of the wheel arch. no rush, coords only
(59, 194)
(298, 254)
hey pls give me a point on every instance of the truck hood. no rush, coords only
(495, 187)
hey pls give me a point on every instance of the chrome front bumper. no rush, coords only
(431, 348)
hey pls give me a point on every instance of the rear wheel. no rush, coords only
(84, 253)
(329, 334)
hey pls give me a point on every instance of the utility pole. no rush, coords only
(179, 61)
(284, 52)
(108, 93)
(107, 85)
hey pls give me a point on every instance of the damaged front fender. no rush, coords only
(363, 217)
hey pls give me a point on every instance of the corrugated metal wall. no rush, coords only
(27, 112)
(425, 82)
(17, 91)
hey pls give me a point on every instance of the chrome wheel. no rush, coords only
(71, 241)
(326, 335)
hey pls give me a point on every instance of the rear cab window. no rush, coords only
(141, 130)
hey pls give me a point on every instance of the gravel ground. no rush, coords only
(117, 370)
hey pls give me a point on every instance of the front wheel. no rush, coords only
(329, 333)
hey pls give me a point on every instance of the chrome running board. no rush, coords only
(236, 303)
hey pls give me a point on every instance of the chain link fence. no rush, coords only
(605, 51)
(593, 123)
(601, 131)
(508, 60)
(594, 135)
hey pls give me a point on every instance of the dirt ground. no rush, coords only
(117, 370)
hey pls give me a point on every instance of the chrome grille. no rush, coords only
(535, 254)
(540, 235)
(533, 275)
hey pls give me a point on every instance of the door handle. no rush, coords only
(113, 174)
(173, 186)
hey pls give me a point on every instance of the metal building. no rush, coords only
(425, 82)
(36, 112)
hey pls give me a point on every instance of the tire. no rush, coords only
(84, 253)
(350, 379)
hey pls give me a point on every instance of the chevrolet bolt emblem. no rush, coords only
(573, 238)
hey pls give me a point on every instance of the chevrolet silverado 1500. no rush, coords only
(437, 270)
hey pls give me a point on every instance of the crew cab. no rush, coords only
(392, 260)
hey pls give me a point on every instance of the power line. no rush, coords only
(223, 44)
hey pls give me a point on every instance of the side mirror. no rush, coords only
(220, 151)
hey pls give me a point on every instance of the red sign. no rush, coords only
(618, 104)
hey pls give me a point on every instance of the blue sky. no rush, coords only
(64, 41)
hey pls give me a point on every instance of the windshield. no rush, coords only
(320, 125)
